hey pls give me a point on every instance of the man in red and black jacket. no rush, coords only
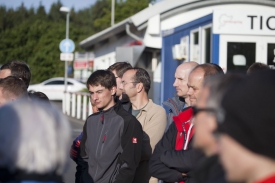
(174, 157)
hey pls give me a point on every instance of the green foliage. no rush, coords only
(33, 36)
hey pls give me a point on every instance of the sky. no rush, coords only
(77, 4)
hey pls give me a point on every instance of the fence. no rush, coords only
(77, 105)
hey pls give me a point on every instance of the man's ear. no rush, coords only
(139, 87)
(113, 90)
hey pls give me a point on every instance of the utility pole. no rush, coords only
(113, 13)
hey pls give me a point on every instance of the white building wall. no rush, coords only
(103, 62)
(105, 54)
(189, 16)
(153, 37)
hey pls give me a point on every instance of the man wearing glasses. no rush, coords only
(174, 157)
(136, 84)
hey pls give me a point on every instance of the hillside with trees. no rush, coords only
(33, 35)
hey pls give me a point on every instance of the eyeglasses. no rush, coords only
(124, 83)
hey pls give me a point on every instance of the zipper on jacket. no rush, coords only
(185, 135)
(98, 143)
(103, 142)
(102, 117)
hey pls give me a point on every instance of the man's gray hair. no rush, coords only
(34, 137)
(218, 85)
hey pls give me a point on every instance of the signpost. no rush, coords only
(66, 46)
(66, 56)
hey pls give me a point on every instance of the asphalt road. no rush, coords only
(76, 126)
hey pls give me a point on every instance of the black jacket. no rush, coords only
(126, 102)
(110, 147)
(168, 164)
(209, 171)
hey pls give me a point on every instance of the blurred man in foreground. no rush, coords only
(206, 113)
(34, 142)
(246, 133)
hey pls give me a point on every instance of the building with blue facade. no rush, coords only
(231, 33)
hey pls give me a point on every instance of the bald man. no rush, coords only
(174, 157)
(180, 101)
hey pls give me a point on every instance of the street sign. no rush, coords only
(66, 56)
(83, 64)
(66, 46)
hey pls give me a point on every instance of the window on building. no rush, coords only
(271, 54)
(240, 55)
(207, 45)
(195, 46)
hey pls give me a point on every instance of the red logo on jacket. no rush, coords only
(134, 140)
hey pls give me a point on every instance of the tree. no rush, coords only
(33, 35)
(54, 13)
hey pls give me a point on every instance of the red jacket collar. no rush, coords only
(270, 179)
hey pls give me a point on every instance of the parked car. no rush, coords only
(54, 88)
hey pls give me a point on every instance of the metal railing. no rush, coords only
(77, 105)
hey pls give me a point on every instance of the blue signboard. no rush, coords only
(66, 46)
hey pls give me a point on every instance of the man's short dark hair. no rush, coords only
(143, 77)
(257, 66)
(210, 69)
(13, 87)
(20, 70)
(120, 68)
(104, 78)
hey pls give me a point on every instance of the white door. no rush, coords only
(238, 52)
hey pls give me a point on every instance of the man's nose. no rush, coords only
(95, 96)
(190, 91)
(175, 83)
(121, 86)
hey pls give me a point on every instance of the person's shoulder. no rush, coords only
(125, 114)
(156, 107)
(129, 119)
(91, 118)
(92, 115)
